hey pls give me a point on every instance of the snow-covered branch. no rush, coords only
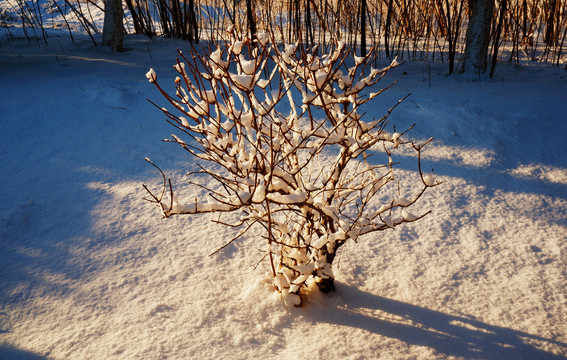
(277, 168)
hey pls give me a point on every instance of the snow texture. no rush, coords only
(89, 270)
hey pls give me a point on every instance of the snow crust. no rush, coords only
(88, 270)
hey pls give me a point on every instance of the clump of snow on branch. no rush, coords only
(281, 130)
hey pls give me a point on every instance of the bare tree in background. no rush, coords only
(478, 36)
(250, 18)
(362, 27)
(113, 30)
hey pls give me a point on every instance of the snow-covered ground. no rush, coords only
(89, 270)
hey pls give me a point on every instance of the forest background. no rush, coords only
(512, 31)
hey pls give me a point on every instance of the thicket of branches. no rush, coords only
(36, 16)
(431, 30)
(280, 130)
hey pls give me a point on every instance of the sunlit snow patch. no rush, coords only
(553, 174)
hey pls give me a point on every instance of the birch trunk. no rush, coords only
(113, 30)
(478, 36)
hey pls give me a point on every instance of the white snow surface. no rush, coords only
(89, 270)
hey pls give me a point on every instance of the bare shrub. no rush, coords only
(303, 175)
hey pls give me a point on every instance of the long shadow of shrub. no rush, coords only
(447, 334)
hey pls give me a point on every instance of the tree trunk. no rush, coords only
(251, 20)
(193, 27)
(308, 25)
(113, 29)
(478, 36)
(363, 28)
(387, 28)
(550, 22)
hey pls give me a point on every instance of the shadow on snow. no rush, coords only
(450, 335)
(11, 353)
